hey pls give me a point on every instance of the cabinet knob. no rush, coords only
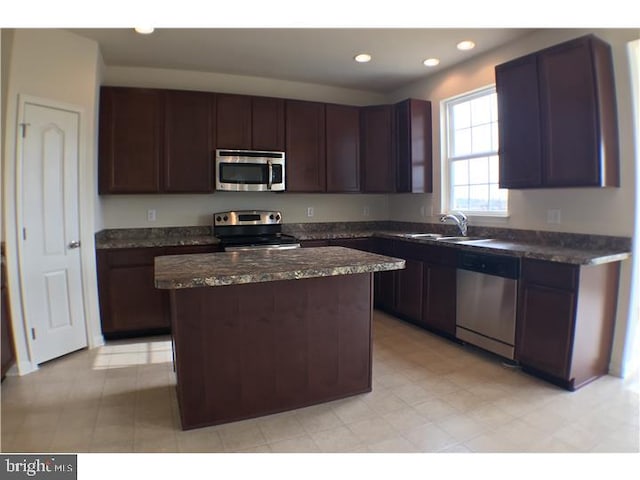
(74, 244)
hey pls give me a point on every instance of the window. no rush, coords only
(472, 154)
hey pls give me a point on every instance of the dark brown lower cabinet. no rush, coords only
(363, 244)
(566, 316)
(409, 290)
(314, 243)
(130, 305)
(439, 305)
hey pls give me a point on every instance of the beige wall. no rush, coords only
(129, 211)
(584, 210)
(58, 67)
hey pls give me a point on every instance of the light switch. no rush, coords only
(151, 215)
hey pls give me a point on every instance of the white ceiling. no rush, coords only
(315, 55)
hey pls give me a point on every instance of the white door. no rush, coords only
(50, 253)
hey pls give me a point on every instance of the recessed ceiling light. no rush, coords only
(144, 30)
(466, 45)
(362, 58)
(431, 62)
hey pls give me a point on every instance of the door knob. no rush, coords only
(74, 244)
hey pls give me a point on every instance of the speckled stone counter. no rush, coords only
(550, 253)
(573, 248)
(232, 268)
(154, 237)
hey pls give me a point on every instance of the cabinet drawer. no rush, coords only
(551, 274)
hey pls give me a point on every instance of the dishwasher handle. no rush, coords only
(497, 265)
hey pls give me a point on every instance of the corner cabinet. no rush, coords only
(558, 120)
(414, 148)
(130, 305)
(566, 317)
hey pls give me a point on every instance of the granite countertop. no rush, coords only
(154, 237)
(578, 249)
(230, 268)
(552, 253)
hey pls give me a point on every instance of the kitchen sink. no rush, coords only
(435, 236)
(465, 239)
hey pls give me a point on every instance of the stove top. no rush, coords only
(251, 229)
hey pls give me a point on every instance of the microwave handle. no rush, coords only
(270, 181)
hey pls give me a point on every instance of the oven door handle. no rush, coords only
(270, 181)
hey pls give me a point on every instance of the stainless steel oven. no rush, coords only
(250, 171)
(251, 230)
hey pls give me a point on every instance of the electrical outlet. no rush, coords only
(554, 216)
(309, 211)
(366, 211)
(151, 215)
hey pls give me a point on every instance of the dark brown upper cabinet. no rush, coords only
(188, 144)
(557, 117)
(378, 160)
(244, 122)
(343, 148)
(267, 123)
(155, 141)
(130, 145)
(233, 121)
(414, 149)
(305, 146)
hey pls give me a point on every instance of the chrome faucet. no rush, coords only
(460, 220)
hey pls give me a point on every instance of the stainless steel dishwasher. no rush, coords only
(486, 301)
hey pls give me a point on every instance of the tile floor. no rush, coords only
(429, 395)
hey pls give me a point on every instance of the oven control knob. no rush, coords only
(225, 218)
(272, 216)
(277, 217)
(218, 218)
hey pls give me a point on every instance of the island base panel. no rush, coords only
(243, 351)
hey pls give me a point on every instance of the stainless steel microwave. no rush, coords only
(250, 171)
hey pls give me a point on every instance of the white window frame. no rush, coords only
(446, 163)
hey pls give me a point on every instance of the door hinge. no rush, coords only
(24, 233)
(24, 129)
(33, 333)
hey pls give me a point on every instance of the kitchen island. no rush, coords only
(261, 332)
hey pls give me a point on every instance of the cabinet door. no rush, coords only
(129, 301)
(519, 123)
(233, 121)
(378, 159)
(188, 146)
(439, 309)
(343, 148)
(305, 146)
(414, 150)
(569, 122)
(409, 290)
(130, 140)
(384, 282)
(267, 123)
(545, 323)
